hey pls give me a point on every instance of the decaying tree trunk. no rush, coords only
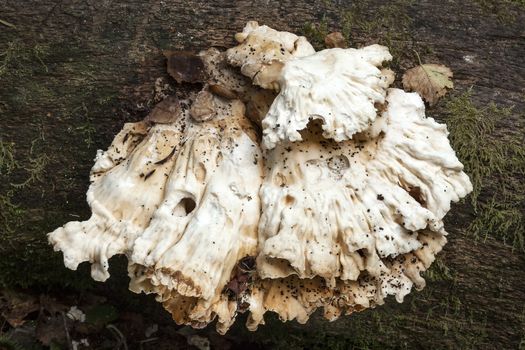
(73, 71)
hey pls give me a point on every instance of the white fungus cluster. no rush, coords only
(339, 86)
(330, 194)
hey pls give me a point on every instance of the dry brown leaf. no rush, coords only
(185, 66)
(431, 81)
(15, 307)
(52, 328)
(335, 39)
(52, 323)
(167, 111)
(222, 91)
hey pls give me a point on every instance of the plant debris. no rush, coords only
(185, 66)
(7, 24)
(431, 81)
(335, 39)
(165, 111)
(15, 307)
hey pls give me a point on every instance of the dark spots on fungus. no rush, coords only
(168, 157)
(148, 174)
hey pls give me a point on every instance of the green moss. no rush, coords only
(438, 272)
(17, 59)
(25, 257)
(502, 218)
(44, 175)
(471, 135)
(390, 326)
(388, 24)
(276, 335)
(460, 326)
(86, 129)
(7, 158)
(495, 164)
(316, 32)
(10, 213)
(364, 22)
(34, 166)
(6, 343)
(390, 18)
(506, 11)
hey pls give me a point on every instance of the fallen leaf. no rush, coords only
(15, 307)
(431, 81)
(242, 276)
(335, 39)
(52, 328)
(185, 67)
(203, 108)
(52, 324)
(166, 111)
(223, 91)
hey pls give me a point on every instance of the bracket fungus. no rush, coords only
(298, 181)
(263, 51)
(339, 86)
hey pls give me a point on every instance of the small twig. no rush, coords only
(51, 11)
(424, 70)
(3, 325)
(68, 338)
(121, 338)
(7, 24)
(149, 340)
(418, 58)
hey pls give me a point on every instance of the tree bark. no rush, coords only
(73, 71)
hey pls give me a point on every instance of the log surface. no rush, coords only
(73, 71)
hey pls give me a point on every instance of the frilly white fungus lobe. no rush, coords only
(342, 207)
(338, 86)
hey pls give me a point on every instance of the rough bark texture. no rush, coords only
(73, 71)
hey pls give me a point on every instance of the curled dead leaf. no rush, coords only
(223, 91)
(14, 307)
(52, 324)
(431, 81)
(52, 328)
(166, 111)
(203, 108)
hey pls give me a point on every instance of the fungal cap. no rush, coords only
(262, 52)
(339, 86)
